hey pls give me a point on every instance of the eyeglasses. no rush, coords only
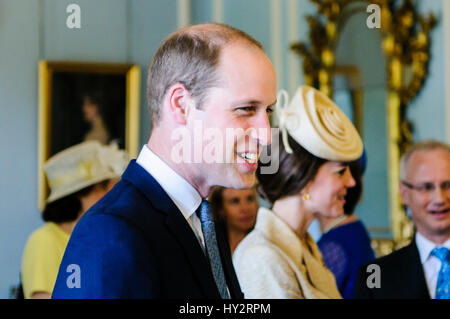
(427, 188)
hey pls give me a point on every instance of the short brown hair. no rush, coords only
(189, 56)
(424, 146)
(295, 171)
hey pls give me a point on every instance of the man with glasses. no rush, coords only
(421, 269)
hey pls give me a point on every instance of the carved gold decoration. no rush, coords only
(406, 45)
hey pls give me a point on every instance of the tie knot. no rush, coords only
(442, 253)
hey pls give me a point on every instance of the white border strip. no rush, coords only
(293, 36)
(446, 35)
(217, 11)
(276, 40)
(183, 13)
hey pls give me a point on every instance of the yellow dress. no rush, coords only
(41, 258)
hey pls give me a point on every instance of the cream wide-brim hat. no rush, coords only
(83, 165)
(316, 123)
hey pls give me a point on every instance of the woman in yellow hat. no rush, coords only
(78, 177)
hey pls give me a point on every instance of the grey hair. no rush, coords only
(424, 146)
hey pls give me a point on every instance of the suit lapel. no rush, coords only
(228, 268)
(406, 279)
(415, 276)
(181, 230)
(177, 225)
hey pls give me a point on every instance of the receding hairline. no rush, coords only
(421, 147)
(218, 34)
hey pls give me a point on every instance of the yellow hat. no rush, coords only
(83, 165)
(318, 125)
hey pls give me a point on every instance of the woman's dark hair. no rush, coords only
(294, 172)
(354, 193)
(95, 97)
(66, 209)
(216, 202)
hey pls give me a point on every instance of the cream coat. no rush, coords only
(271, 262)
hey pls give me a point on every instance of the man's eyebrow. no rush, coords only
(252, 102)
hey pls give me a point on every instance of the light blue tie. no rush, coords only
(443, 281)
(209, 233)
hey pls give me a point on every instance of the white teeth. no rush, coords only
(435, 212)
(249, 157)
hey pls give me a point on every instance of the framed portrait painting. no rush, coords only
(85, 101)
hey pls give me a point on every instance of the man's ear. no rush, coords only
(179, 103)
(403, 193)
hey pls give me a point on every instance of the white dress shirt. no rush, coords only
(431, 264)
(185, 197)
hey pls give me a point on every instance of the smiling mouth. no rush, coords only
(251, 158)
(439, 212)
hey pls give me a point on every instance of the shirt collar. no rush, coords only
(185, 197)
(425, 246)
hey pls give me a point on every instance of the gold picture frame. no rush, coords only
(62, 116)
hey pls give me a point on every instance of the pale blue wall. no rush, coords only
(150, 22)
(111, 31)
(18, 140)
(427, 111)
(201, 11)
(360, 46)
(119, 31)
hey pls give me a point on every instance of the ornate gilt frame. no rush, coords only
(406, 44)
(46, 70)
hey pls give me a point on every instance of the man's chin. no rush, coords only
(243, 181)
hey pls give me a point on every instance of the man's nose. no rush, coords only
(439, 195)
(263, 133)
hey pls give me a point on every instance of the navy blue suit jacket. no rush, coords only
(135, 243)
(402, 276)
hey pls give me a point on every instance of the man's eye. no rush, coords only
(342, 171)
(246, 109)
(269, 110)
(427, 187)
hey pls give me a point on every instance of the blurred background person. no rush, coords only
(279, 259)
(92, 106)
(78, 177)
(420, 270)
(235, 211)
(345, 243)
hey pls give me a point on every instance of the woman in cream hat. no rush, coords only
(78, 177)
(279, 259)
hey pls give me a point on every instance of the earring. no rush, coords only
(305, 196)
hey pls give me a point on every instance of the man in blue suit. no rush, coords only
(149, 236)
